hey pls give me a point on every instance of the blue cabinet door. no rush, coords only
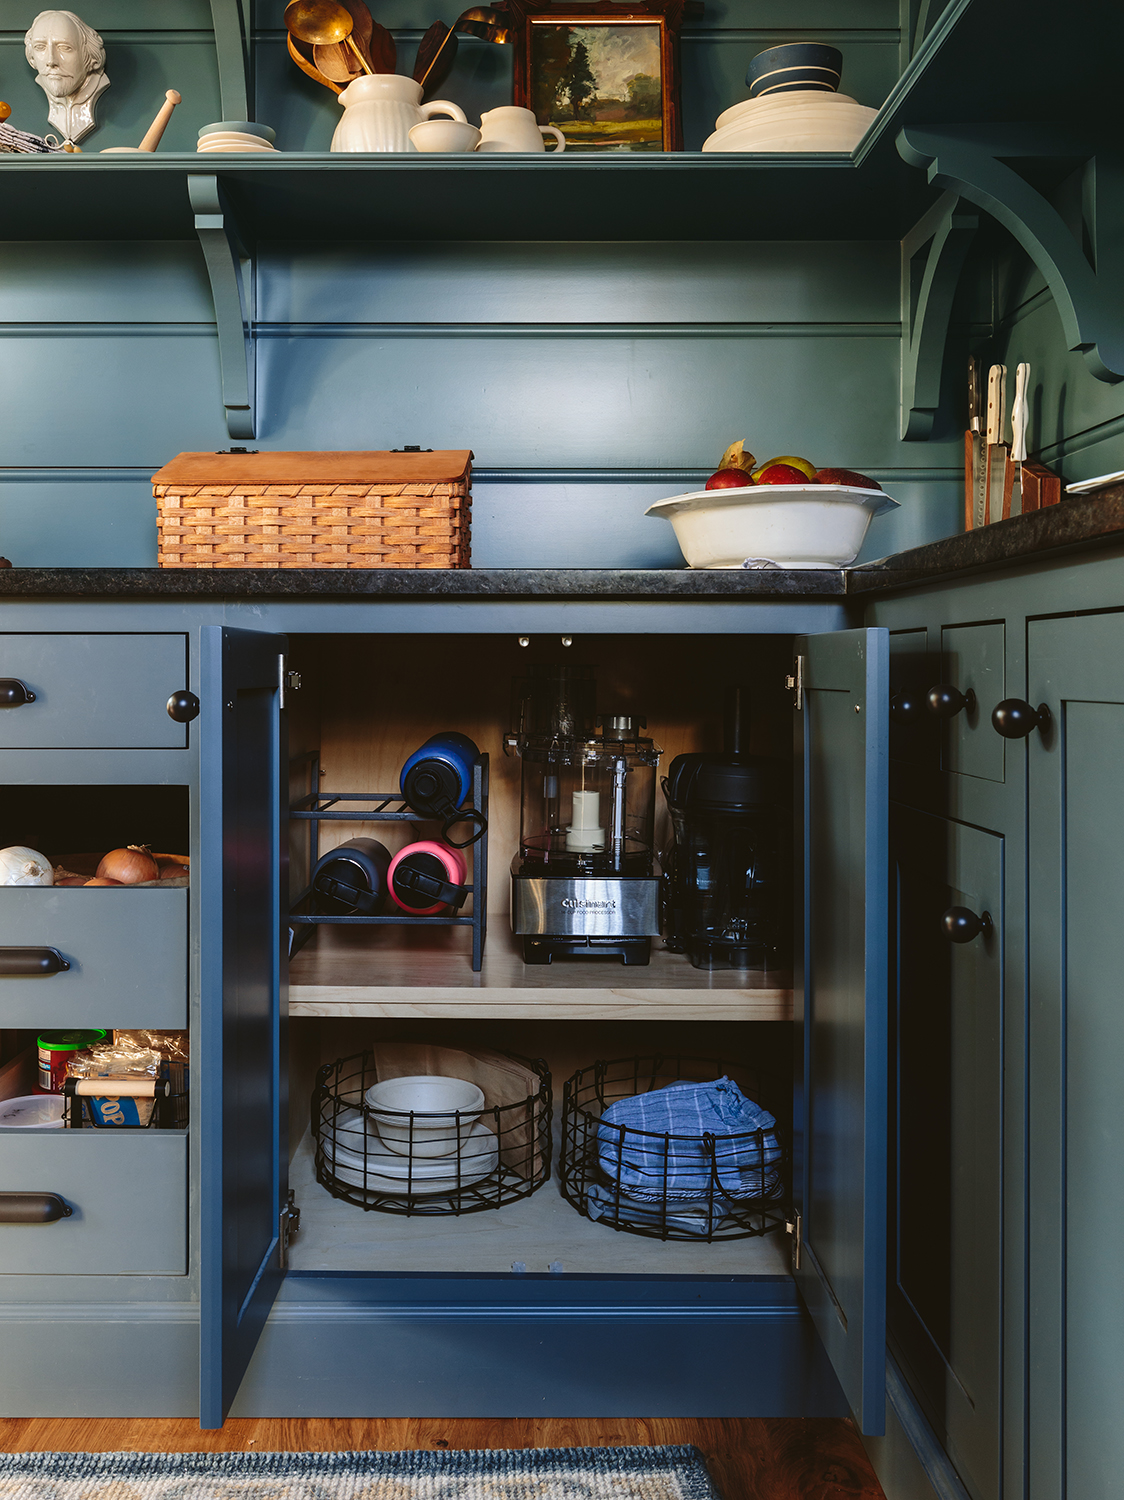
(842, 749)
(1075, 945)
(243, 994)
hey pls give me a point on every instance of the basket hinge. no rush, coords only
(288, 1223)
(795, 683)
(795, 1227)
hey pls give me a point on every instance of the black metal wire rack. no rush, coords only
(502, 1151)
(668, 1186)
(385, 807)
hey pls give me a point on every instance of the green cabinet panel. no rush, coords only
(972, 660)
(1076, 952)
(945, 1294)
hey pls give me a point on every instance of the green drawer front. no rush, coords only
(128, 1193)
(972, 657)
(127, 952)
(93, 691)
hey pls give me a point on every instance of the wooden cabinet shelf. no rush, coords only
(381, 973)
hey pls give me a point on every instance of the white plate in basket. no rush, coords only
(773, 525)
(388, 1172)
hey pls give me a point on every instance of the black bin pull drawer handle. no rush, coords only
(14, 693)
(31, 963)
(33, 1208)
(947, 701)
(1014, 719)
(960, 924)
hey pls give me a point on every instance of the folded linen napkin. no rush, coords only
(687, 1141)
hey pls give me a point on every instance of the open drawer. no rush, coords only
(126, 952)
(127, 1195)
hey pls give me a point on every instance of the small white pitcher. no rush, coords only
(511, 128)
(378, 110)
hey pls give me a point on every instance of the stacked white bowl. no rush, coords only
(808, 120)
(427, 1138)
(236, 135)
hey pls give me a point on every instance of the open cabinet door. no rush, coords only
(842, 805)
(240, 1131)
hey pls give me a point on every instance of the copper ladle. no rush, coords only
(322, 22)
(481, 21)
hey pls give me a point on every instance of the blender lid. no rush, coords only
(707, 781)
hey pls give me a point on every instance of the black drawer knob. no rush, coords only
(905, 708)
(14, 693)
(33, 1208)
(183, 706)
(947, 701)
(31, 963)
(1014, 718)
(960, 925)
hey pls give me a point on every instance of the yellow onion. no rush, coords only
(100, 881)
(129, 866)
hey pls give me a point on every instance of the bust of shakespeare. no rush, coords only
(69, 61)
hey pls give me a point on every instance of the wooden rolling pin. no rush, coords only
(160, 124)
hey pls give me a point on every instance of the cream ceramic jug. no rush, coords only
(378, 110)
(511, 128)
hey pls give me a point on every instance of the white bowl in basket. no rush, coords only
(424, 1115)
(778, 525)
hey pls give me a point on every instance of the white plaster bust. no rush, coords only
(69, 61)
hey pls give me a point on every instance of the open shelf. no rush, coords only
(394, 972)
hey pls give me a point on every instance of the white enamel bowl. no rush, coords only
(811, 121)
(424, 1115)
(787, 525)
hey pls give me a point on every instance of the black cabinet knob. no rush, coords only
(183, 706)
(947, 701)
(960, 925)
(1014, 718)
(14, 693)
(905, 708)
(33, 1208)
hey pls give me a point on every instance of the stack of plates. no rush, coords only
(804, 121)
(236, 135)
(354, 1155)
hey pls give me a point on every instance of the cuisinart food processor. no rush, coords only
(585, 881)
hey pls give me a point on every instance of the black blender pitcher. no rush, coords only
(727, 889)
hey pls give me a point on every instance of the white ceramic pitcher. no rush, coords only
(511, 128)
(378, 110)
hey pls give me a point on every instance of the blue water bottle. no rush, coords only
(437, 778)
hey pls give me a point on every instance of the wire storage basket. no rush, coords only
(498, 1153)
(642, 1156)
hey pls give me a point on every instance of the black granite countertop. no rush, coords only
(1079, 522)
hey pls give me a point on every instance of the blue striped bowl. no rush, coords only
(795, 67)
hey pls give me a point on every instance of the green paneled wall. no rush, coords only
(617, 375)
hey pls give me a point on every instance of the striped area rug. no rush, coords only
(669, 1473)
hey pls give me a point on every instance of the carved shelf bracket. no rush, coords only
(230, 268)
(932, 258)
(1083, 269)
(228, 20)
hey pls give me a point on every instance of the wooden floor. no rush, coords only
(748, 1460)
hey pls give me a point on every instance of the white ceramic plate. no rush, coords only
(786, 525)
(386, 1172)
(809, 121)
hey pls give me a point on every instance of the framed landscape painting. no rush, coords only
(607, 75)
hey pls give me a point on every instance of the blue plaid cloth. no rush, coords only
(652, 1144)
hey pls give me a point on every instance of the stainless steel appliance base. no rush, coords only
(617, 906)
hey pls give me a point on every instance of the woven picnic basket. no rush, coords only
(315, 510)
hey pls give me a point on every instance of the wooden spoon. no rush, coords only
(306, 66)
(336, 62)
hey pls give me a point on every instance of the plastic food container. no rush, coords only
(56, 1048)
(32, 1112)
(773, 525)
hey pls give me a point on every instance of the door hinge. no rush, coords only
(286, 681)
(795, 1227)
(288, 1223)
(795, 683)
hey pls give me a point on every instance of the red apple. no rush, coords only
(729, 479)
(847, 476)
(781, 474)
